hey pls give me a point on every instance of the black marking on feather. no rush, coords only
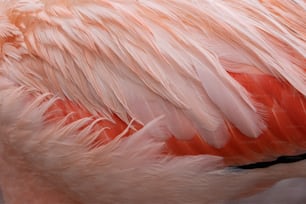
(280, 160)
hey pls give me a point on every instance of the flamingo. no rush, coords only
(150, 101)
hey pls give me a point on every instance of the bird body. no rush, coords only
(149, 101)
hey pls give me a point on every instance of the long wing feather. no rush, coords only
(49, 162)
(79, 76)
(88, 52)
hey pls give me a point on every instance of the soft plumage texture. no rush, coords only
(50, 162)
(117, 39)
(285, 191)
(175, 68)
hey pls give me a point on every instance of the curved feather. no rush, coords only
(101, 94)
(95, 53)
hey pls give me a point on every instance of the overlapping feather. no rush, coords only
(51, 162)
(115, 56)
(163, 63)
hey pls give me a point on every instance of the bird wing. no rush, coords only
(197, 63)
(185, 77)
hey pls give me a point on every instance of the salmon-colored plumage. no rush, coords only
(123, 101)
(286, 107)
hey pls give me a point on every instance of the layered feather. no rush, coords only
(49, 162)
(97, 54)
(166, 65)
